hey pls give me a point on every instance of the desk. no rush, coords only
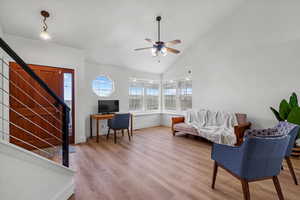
(99, 117)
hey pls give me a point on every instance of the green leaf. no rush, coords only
(284, 109)
(294, 100)
(294, 116)
(276, 113)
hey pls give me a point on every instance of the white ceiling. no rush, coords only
(109, 30)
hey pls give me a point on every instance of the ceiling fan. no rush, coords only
(160, 47)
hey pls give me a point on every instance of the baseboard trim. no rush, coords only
(66, 193)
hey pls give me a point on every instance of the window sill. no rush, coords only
(166, 112)
(178, 113)
(145, 113)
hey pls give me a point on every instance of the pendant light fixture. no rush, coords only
(44, 34)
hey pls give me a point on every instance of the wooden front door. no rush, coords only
(35, 116)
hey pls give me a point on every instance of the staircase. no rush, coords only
(31, 136)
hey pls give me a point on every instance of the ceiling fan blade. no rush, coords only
(172, 50)
(149, 40)
(173, 42)
(143, 48)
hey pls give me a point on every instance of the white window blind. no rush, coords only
(185, 94)
(152, 96)
(169, 92)
(143, 95)
(136, 99)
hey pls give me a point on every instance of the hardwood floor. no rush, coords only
(156, 165)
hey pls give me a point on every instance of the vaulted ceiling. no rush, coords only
(109, 30)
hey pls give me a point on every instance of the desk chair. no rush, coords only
(119, 122)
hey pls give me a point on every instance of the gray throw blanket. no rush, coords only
(217, 127)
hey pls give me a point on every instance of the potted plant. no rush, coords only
(290, 111)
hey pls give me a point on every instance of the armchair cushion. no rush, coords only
(285, 127)
(269, 132)
(281, 129)
(290, 129)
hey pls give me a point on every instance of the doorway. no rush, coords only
(38, 107)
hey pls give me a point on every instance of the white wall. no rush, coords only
(247, 62)
(4, 96)
(1, 31)
(46, 53)
(121, 78)
(4, 84)
(25, 175)
(146, 120)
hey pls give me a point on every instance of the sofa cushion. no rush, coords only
(185, 128)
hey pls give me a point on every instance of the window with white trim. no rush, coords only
(136, 96)
(144, 95)
(103, 86)
(151, 96)
(177, 95)
(185, 94)
(170, 93)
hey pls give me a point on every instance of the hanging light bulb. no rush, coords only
(44, 34)
(164, 51)
(154, 52)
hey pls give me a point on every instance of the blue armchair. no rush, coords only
(281, 129)
(256, 159)
(286, 128)
(119, 122)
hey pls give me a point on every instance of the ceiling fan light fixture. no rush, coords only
(154, 52)
(164, 51)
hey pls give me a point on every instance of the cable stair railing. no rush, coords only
(33, 116)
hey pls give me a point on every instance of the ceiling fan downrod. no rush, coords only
(158, 19)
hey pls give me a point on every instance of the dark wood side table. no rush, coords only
(99, 117)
